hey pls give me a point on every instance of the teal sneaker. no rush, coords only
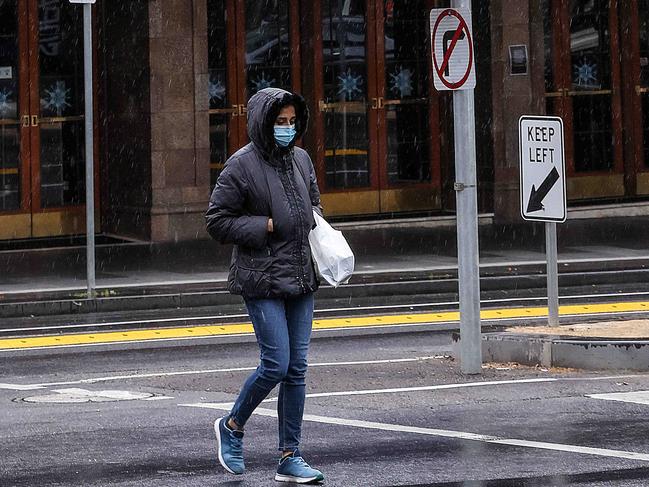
(293, 468)
(230, 446)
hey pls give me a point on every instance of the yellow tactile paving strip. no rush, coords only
(321, 324)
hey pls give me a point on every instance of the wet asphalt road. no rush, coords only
(402, 436)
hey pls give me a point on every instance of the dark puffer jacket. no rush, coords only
(262, 181)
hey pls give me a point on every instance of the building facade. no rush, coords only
(172, 78)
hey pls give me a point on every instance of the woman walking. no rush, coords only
(263, 203)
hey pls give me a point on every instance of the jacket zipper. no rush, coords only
(288, 161)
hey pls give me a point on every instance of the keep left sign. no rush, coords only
(542, 169)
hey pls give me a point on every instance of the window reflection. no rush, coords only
(552, 86)
(217, 86)
(406, 58)
(590, 84)
(343, 41)
(592, 133)
(345, 85)
(645, 124)
(9, 120)
(643, 6)
(268, 50)
(549, 50)
(62, 157)
(406, 82)
(591, 71)
(217, 61)
(590, 45)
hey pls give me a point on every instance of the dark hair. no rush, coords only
(301, 114)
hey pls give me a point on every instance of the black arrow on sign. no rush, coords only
(448, 37)
(537, 196)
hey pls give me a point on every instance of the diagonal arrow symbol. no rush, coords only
(538, 195)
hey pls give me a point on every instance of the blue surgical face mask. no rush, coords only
(284, 134)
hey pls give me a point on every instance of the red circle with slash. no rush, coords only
(462, 27)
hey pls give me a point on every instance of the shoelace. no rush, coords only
(236, 445)
(301, 462)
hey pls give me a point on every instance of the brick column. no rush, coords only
(179, 118)
(513, 22)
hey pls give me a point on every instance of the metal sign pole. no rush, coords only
(553, 273)
(467, 226)
(88, 116)
(543, 189)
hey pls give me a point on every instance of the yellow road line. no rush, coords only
(320, 324)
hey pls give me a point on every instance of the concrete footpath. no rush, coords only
(132, 275)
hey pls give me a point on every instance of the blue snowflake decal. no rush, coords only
(261, 82)
(56, 98)
(4, 101)
(401, 82)
(216, 89)
(586, 74)
(349, 84)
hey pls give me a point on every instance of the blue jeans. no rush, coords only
(283, 330)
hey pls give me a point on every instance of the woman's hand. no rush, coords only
(270, 225)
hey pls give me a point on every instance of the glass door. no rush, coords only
(42, 167)
(258, 47)
(56, 120)
(409, 158)
(583, 85)
(268, 52)
(348, 174)
(15, 215)
(376, 103)
(222, 80)
(643, 88)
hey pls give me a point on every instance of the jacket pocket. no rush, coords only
(255, 259)
(253, 284)
(251, 276)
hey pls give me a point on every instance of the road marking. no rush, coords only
(205, 331)
(425, 388)
(364, 392)
(94, 380)
(18, 387)
(457, 385)
(637, 397)
(463, 435)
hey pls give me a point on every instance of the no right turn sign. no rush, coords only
(452, 49)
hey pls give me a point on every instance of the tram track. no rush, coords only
(325, 308)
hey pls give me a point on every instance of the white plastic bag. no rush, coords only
(331, 253)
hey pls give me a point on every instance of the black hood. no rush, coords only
(263, 108)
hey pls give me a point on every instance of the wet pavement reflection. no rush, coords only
(610, 477)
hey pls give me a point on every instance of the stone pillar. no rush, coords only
(513, 22)
(180, 174)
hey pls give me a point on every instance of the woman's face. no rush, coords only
(286, 116)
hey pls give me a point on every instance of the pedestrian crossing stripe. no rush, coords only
(205, 331)
(637, 397)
